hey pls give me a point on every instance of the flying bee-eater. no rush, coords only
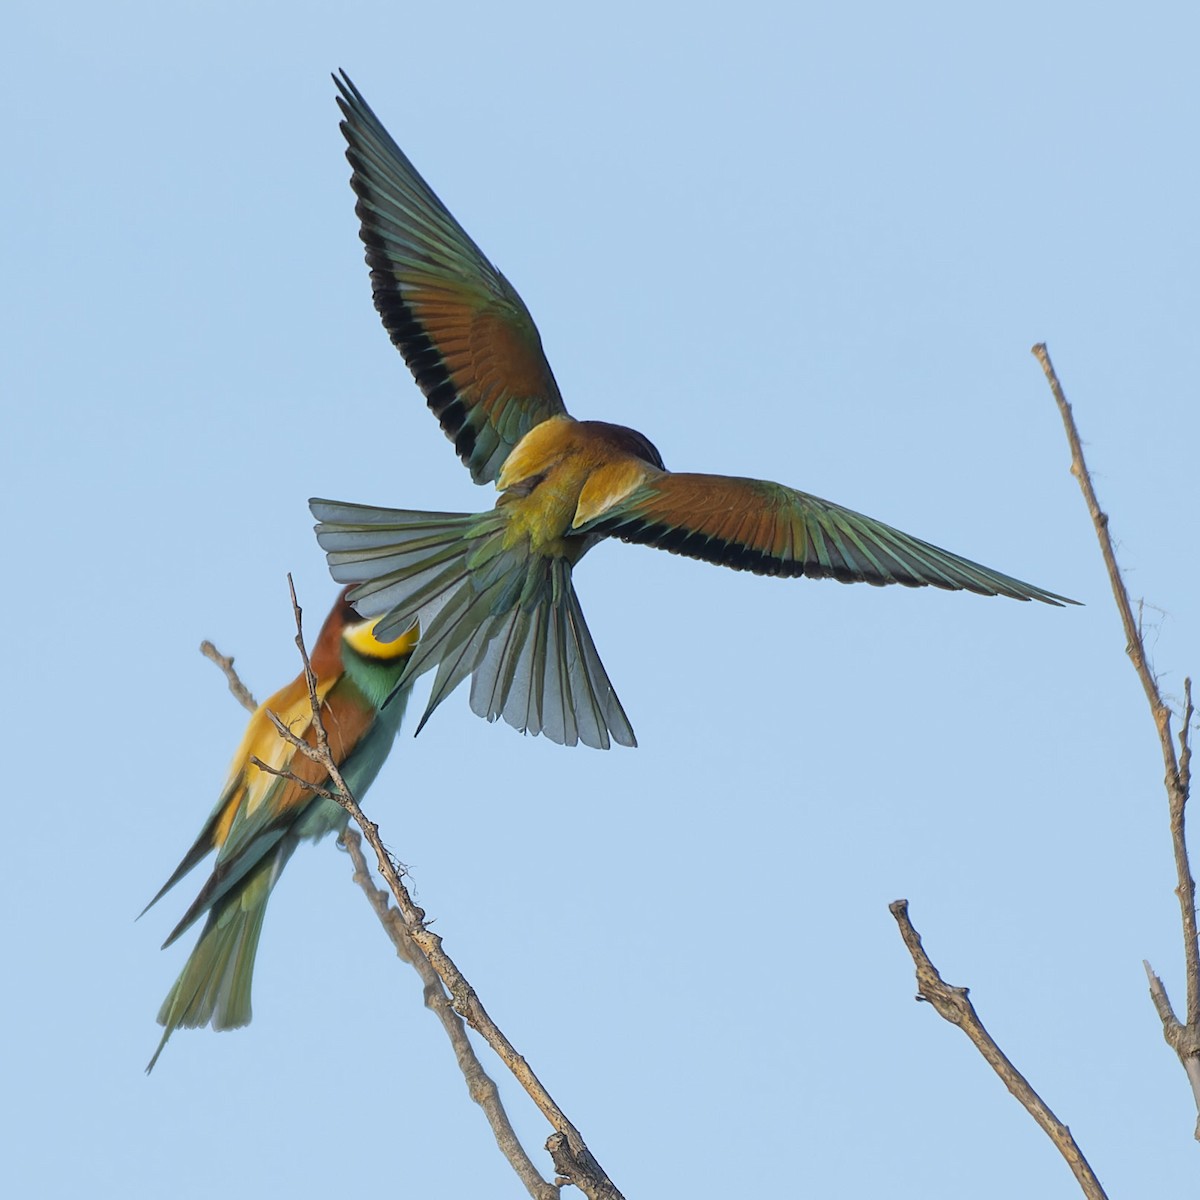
(493, 590)
(261, 818)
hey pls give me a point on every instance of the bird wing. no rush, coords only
(463, 330)
(770, 529)
(257, 809)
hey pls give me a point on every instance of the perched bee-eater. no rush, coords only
(493, 590)
(261, 818)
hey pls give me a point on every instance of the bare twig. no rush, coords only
(240, 691)
(480, 1085)
(481, 1088)
(1182, 1037)
(953, 1005)
(291, 776)
(572, 1158)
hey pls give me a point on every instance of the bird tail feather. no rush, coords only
(487, 609)
(214, 985)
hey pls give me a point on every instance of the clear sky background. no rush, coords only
(802, 242)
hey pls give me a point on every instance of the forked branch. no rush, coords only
(573, 1160)
(480, 1085)
(1182, 1036)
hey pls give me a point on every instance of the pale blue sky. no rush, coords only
(799, 242)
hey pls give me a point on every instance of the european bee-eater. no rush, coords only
(493, 590)
(261, 818)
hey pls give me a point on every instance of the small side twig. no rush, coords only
(240, 691)
(573, 1160)
(1182, 1036)
(952, 1004)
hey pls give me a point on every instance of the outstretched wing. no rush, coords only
(465, 333)
(753, 525)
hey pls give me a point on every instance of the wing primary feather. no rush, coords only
(463, 330)
(771, 529)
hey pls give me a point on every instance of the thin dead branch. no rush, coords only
(952, 1004)
(240, 691)
(573, 1160)
(1182, 1036)
(480, 1086)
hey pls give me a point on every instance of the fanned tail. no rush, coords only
(508, 618)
